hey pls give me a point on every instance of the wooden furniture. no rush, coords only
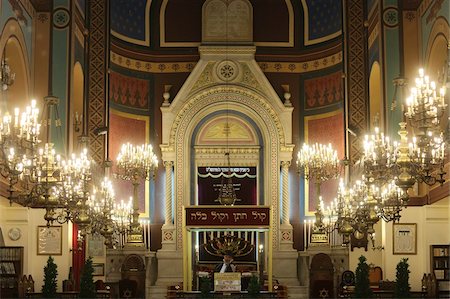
(222, 295)
(71, 295)
(11, 270)
(375, 276)
(440, 265)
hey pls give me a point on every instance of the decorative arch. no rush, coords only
(77, 103)
(439, 32)
(375, 95)
(12, 40)
(437, 55)
(233, 98)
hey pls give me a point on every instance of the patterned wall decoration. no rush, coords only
(97, 77)
(132, 128)
(130, 20)
(324, 128)
(356, 75)
(323, 91)
(128, 91)
(81, 4)
(186, 67)
(323, 20)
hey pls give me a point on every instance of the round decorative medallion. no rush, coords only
(390, 17)
(227, 70)
(14, 233)
(61, 18)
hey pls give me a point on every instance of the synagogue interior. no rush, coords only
(224, 149)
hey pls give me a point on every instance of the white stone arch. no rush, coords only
(233, 98)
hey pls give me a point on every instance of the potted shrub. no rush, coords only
(50, 279)
(402, 287)
(362, 283)
(205, 287)
(87, 286)
(254, 287)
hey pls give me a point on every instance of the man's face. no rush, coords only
(227, 258)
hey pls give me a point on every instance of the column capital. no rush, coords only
(168, 163)
(285, 163)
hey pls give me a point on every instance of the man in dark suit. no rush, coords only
(227, 265)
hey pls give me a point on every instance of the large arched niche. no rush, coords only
(437, 59)
(375, 95)
(437, 47)
(222, 98)
(209, 143)
(12, 45)
(76, 104)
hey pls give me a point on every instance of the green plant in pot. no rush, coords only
(402, 287)
(87, 286)
(50, 279)
(254, 287)
(205, 287)
(362, 283)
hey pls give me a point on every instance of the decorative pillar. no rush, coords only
(168, 229)
(285, 259)
(169, 179)
(285, 191)
(96, 77)
(170, 261)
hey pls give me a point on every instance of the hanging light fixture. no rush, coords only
(319, 163)
(425, 108)
(136, 163)
(7, 77)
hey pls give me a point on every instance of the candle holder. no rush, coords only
(136, 163)
(318, 163)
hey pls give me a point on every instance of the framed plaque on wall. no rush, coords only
(49, 240)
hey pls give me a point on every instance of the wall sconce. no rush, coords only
(77, 121)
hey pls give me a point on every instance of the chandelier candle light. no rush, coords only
(320, 163)
(136, 163)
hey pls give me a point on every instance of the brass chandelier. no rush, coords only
(136, 163)
(38, 177)
(390, 169)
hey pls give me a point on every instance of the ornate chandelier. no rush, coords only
(136, 163)
(425, 108)
(319, 163)
(392, 168)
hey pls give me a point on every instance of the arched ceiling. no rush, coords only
(276, 22)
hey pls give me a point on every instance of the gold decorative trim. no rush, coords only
(424, 7)
(145, 42)
(374, 34)
(179, 132)
(232, 151)
(187, 67)
(79, 35)
(151, 67)
(29, 8)
(301, 67)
